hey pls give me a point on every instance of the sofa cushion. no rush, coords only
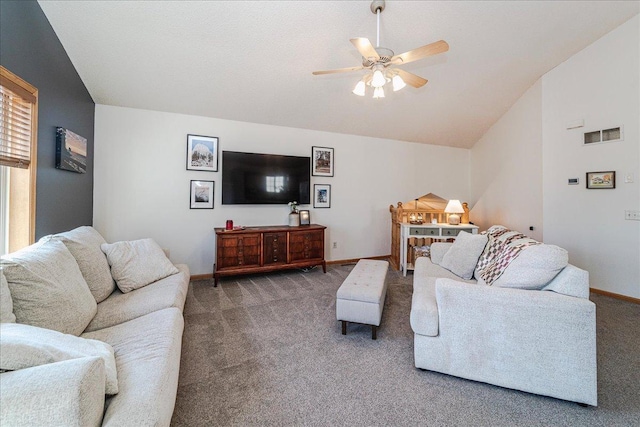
(47, 288)
(438, 251)
(462, 257)
(68, 393)
(137, 263)
(6, 303)
(25, 346)
(534, 267)
(84, 244)
(165, 293)
(147, 351)
(425, 267)
(572, 281)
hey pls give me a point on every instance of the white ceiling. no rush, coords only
(252, 61)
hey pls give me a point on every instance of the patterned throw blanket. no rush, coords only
(503, 246)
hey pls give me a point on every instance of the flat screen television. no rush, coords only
(259, 179)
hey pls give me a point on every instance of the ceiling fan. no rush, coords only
(384, 64)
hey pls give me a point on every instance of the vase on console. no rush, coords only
(294, 216)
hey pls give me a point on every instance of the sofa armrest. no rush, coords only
(531, 335)
(438, 249)
(68, 393)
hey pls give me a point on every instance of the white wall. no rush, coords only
(506, 169)
(142, 185)
(600, 84)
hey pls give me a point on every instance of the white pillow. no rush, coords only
(462, 257)
(25, 346)
(84, 244)
(6, 303)
(137, 263)
(47, 288)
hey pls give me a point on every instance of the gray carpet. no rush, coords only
(267, 350)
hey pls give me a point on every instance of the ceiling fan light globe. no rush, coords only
(378, 93)
(378, 79)
(398, 83)
(359, 89)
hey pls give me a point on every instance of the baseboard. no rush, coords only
(354, 260)
(616, 296)
(341, 261)
(201, 276)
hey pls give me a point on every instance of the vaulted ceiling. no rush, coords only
(252, 61)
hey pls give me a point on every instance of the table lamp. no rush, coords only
(454, 207)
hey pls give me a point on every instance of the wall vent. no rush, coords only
(604, 135)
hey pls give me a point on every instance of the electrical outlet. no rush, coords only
(335, 245)
(632, 215)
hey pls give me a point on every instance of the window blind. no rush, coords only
(16, 106)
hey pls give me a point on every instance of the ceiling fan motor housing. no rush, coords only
(384, 54)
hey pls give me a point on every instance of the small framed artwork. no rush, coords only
(604, 180)
(71, 151)
(202, 194)
(305, 218)
(322, 158)
(202, 153)
(321, 196)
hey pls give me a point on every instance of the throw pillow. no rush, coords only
(6, 303)
(25, 346)
(534, 267)
(47, 288)
(462, 257)
(137, 263)
(84, 244)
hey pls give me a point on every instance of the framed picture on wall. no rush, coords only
(202, 153)
(321, 196)
(201, 194)
(71, 151)
(322, 158)
(605, 180)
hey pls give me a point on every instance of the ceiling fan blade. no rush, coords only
(411, 79)
(365, 48)
(422, 52)
(338, 70)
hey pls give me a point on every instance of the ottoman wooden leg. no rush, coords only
(374, 332)
(344, 327)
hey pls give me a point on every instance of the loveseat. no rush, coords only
(91, 332)
(506, 310)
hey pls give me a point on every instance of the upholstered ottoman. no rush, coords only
(360, 298)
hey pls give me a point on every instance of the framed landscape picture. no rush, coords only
(321, 196)
(202, 153)
(71, 151)
(202, 194)
(601, 180)
(322, 158)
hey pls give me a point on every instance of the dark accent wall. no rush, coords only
(30, 48)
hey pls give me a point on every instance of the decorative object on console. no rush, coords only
(416, 218)
(202, 194)
(294, 206)
(202, 153)
(71, 151)
(294, 219)
(454, 207)
(382, 63)
(321, 196)
(602, 180)
(322, 158)
(305, 218)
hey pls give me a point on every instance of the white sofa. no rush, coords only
(61, 295)
(533, 329)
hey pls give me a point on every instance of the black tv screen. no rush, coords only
(258, 179)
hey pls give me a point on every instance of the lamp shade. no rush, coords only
(454, 206)
(359, 89)
(398, 83)
(378, 79)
